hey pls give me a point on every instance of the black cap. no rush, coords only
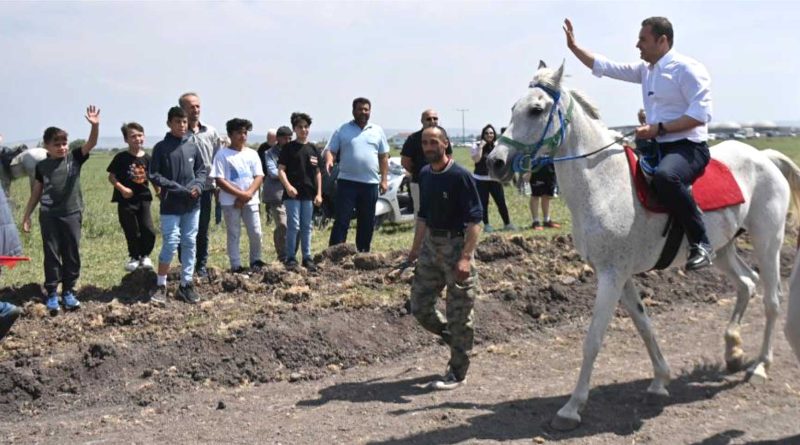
(284, 131)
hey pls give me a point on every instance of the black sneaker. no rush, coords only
(187, 294)
(291, 265)
(158, 296)
(8, 316)
(700, 256)
(257, 265)
(201, 272)
(309, 265)
(240, 269)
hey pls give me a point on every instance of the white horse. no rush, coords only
(619, 238)
(22, 165)
(792, 329)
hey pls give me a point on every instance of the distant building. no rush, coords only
(399, 139)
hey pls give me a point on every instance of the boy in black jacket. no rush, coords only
(178, 170)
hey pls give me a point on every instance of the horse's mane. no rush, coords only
(588, 107)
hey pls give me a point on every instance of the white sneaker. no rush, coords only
(146, 263)
(132, 264)
(447, 383)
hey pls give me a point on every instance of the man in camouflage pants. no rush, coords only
(446, 234)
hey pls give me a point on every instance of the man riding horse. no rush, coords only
(677, 102)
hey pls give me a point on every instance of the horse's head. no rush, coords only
(537, 126)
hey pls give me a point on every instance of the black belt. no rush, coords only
(446, 233)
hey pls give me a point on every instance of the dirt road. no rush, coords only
(513, 390)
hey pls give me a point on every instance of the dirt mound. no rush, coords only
(275, 325)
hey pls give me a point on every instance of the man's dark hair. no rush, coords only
(297, 117)
(176, 112)
(130, 126)
(659, 26)
(442, 130)
(361, 100)
(236, 124)
(53, 133)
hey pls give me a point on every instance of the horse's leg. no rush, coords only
(767, 243)
(745, 279)
(609, 290)
(634, 306)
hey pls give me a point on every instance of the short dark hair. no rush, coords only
(176, 112)
(361, 100)
(659, 26)
(297, 117)
(53, 133)
(237, 124)
(130, 126)
(441, 129)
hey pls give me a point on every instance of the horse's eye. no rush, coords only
(535, 111)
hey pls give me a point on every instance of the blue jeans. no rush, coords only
(180, 230)
(298, 219)
(361, 196)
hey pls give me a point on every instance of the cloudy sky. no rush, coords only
(263, 60)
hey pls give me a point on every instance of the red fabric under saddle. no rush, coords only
(715, 189)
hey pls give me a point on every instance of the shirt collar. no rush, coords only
(665, 59)
(353, 123)
(200, 126)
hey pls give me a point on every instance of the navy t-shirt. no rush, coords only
(449, 198)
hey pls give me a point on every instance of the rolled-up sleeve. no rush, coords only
(629, 72)
(696, 89)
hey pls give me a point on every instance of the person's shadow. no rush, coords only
(725, 437)
(618, 408)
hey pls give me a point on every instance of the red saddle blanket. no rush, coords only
(715, 189)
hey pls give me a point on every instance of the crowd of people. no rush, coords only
(192, 166)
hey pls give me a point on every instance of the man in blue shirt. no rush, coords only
(363, 154)
(445, 238)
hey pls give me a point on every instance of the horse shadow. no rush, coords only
(726, 437)
(617, 408)
(133, 287)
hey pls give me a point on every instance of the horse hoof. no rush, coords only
(564, 423)
(657, 392)
(735, 365)
(757, 375)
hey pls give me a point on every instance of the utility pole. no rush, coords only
(463, 128)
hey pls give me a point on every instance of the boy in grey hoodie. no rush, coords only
(179, 171)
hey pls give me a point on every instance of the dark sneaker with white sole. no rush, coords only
(158, 296)
(186, 293)
(448, 382)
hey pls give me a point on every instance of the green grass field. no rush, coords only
(104, 252)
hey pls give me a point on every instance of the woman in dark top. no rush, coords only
(486, 185)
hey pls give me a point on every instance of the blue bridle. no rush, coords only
(525, 161)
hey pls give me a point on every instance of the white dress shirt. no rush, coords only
(674, 86)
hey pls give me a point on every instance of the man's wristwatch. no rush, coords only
(661, 130)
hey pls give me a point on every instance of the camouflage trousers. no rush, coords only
(435, 271)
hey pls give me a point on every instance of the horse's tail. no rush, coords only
(791, 172)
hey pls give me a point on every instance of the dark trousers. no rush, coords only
(61, 238)
(494, 188)
(206, 202)
(362, 197)
(137, 224)
(682, 162)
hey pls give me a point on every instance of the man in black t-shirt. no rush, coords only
(444, 244)
(412, 157)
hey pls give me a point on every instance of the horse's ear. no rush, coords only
(558, 75)
(542, 65)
